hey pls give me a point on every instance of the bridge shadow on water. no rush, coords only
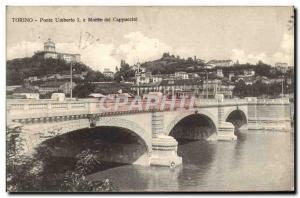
(112, 146)
(194, 127)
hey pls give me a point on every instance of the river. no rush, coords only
(257, 161)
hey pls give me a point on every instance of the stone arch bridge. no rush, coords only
(41, 120)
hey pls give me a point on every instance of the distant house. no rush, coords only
(181, 75)
(143, 77)
(193, 75)
(31, 79)
(56, 86)
(220, 73)
(209, 66)
(283, 69)
(249, 72)
(108, 73)
(231, 75)
(170, 86)
(58, 96)
(12, 88)
(157, 78)
(281, 64)
(111, 89)
(97, 95)
(28, 93)
(220, 63)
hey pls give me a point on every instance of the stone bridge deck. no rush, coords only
(23, 109)
(45, 119)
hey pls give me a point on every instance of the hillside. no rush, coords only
(169, 64)
(22, 68)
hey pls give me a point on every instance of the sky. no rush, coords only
(247, 34)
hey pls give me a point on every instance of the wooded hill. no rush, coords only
(19, 69)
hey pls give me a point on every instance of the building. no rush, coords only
(157, 78)
(209, 66)
(220, 63)
(249, 72)
(281, 64)
(231, 76)
(27, 93)
(192, 75)
(12, 88)
(108, 73)
(56, 86)
(111, 89)
(50, 52)
(220, 73)
(181, 75)
(143, 77)
(210, 88)
(171, 86)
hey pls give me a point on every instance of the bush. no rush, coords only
(28, 174)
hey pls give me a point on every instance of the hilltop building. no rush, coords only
(283, 67)
(108, 73)
(50, 52)
(281, 64)
(220, 63)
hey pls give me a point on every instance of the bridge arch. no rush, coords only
(192, 126)
(36, 134)
(126, 124)
(237, 117)
(112, 143)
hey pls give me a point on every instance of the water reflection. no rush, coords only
(194, 168)
(256, 161)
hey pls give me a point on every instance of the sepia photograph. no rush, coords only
(150, 99)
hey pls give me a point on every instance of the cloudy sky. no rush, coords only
(248, 34)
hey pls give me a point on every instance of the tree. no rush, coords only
(29, 174)
(83, 90)
(239, 89)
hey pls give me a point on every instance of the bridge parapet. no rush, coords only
(269, 114)
(26, 108)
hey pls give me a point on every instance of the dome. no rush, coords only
(49, 42)
(49, 45)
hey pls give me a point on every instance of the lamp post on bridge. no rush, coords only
(71, 80)
(206, 84)
(282, 87)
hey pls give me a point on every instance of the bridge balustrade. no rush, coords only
(26, 108)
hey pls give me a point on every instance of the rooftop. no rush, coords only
(25, 90)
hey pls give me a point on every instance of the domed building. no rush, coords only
(50, 52)
(49, 46)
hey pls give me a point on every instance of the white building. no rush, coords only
(181, 75)
(249, 72)
(220, 63)
(56, 87)
(143, 77)
(28, 93)
(108, 73)
(50, 52)
(220, 73)
(281, 64)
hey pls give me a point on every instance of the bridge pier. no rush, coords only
(164, 148)
(225, 129)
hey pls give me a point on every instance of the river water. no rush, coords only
(257, 161)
